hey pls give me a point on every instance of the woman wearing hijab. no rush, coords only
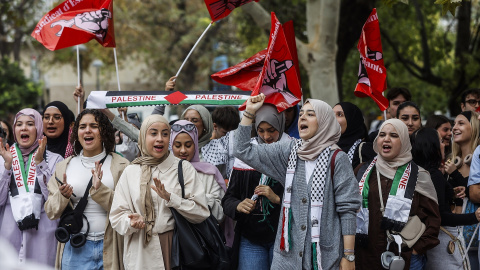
(317, 221)
(25, 224)
(200, 116)
(391, 171)
(261, 195)
(143, 216)
(184, 144)
(354, 132)
(56, 127)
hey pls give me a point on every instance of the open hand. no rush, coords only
(42, 146)
(97, 175)
(136, 221)
(160, 189)
(6, 155)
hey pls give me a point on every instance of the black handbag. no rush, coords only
(197, 246)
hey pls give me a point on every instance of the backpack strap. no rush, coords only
(332, 162)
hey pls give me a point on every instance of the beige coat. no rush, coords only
(56, 203)
(214, 194)
(126, 201)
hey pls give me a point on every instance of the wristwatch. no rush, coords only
(349, 257)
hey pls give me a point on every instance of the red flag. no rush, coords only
(278, 80)
(372, 74)
(243, 75)
(220, 9)
(76, 22)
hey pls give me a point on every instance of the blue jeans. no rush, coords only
(89, 256)
(418, 261)
(254, 256)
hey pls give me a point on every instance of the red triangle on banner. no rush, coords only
(176, 97)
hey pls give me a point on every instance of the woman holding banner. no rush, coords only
(25, 169)
(317, 221)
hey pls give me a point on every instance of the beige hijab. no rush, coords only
(146, 162)
(328, 132)
(389, 168)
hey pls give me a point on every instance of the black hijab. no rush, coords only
(356, 128)
(59, 144)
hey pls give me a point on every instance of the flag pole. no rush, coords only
(193, 48)
(78, 77)
(116, 69)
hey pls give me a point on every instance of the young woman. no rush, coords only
(444, 127)
(184, 144)
(8, 129)
(465, 139)
(256, 228)
(200, 116)
(353, 129)
(409, 113)
(317, 221)
(380, 216)
(427, 152)
(56, 127)
(93, 140)
(24, 222)
(143, 216)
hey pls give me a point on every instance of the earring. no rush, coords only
(74, 149)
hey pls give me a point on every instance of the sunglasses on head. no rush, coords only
(187, 127)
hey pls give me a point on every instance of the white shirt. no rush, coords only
(79, 172)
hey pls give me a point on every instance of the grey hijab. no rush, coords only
(207, 124)
(269, 114)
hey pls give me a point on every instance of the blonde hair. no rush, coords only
(474, 123)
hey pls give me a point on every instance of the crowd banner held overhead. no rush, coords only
(372, 74)
(76, 22)
(116, 99)
(220, 9)
(278, 79)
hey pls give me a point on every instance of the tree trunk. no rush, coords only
(318, 56)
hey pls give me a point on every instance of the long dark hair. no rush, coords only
(107, 133)
(426, 150)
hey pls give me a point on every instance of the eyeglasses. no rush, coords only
(473, 102)
(187, 127)
(55, 118)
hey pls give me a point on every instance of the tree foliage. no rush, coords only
(16, 91)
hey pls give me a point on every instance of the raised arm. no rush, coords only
(269, 159)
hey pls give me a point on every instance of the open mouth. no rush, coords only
(303, 127)
(24, 137)
(88, 139)
(387, 148)
(158, 148)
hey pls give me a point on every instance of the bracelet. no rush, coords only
(249, 114)
(349, 251)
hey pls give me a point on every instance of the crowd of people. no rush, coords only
(306, 188)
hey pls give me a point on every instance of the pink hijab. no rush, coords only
(38, 125)
(203, 167)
